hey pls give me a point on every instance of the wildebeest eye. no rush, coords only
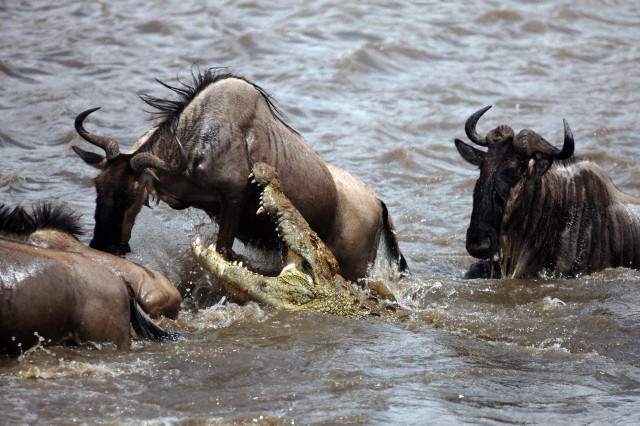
(512, 173)
(506, 180)
(502, 189)
(128, 196)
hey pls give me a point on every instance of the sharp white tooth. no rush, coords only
(261, 210)
(198, 241)
(240, 264)
(251, 175)
(211, 248)
(254, 181)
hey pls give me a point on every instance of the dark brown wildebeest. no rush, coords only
(537, 209)
(200, 154)
(63, 296)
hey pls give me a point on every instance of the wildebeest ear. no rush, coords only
(542, 162)
(96, 160)
(469, 153)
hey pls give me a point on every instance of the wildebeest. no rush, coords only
(55, 227)
(538, 209)
(200, 154)
(50, 289)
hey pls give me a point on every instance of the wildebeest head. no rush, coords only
(510, 159)
(123, 186)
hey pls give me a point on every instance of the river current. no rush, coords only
(381, 89)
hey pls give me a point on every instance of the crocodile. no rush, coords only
(311, 279)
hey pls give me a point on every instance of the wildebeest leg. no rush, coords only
(230, 217)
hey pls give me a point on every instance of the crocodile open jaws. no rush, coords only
(311, 279)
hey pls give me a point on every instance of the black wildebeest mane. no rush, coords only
(168, 111)
(18, 221)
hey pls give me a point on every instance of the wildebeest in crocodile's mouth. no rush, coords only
(311, 280)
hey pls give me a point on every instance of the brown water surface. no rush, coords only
(380, 89)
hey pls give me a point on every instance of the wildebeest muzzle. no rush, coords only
(482, 243)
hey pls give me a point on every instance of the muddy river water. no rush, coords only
(381, 89)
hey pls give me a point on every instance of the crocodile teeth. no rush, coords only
(240, 264)
(198, 241)
(211, 248)
(261, 210)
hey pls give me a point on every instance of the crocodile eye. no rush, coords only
(306, 267)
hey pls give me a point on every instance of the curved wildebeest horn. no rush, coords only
(146, 160)
(531, 143)
(470, 127)
(110, 146)
(569, 145)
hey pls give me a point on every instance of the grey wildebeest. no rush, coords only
(200, 154)
(538, 209)
(50, 288)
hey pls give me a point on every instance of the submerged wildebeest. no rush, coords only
(200, 154)
(51, 289)
(537, 209)
(55, 227)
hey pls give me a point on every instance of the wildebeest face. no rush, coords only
(121, 192)
(500, 170)
(122, 187)
(508, 161)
